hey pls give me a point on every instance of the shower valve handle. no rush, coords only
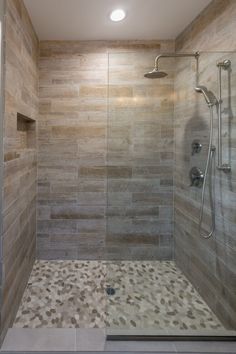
(196, 177)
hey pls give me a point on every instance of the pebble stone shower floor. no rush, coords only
(148, 295)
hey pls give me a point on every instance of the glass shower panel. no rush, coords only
(139, 188)
(164, 279)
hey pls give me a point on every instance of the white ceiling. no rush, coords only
(89, 19)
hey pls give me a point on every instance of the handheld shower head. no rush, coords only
(208, 95)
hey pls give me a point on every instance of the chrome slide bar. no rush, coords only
(225, 65)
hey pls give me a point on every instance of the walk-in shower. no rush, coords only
(118, 190)
(141, 270)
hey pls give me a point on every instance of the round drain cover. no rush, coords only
(110, 290)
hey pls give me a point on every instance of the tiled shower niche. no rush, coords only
(26, 132)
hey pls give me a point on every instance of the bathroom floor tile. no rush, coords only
(40, 340)
(206, 347)
(148, 295)
(155, 294)
(90, 339)
(138, 346)
(64, 294)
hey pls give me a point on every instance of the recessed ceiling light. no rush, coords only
(117, 15)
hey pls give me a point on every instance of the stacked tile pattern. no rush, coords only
(105, 175)
(19, 182)
(209, 264)
(140, 158)
(89, 157)
(72, 150)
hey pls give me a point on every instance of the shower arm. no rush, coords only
(178, 55)
(175, 55)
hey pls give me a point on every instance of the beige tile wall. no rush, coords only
(209, 264)
(75, 134)
(140, 158)
(78, 173)
(212, 30)
(19, 184)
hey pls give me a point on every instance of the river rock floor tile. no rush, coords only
(156, 295)
(64, 294)
(148, 294)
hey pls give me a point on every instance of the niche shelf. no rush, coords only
(26, 132)
(25, 138)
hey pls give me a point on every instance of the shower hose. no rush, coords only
(208, 175)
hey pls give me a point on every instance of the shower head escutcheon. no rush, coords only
(158, 74)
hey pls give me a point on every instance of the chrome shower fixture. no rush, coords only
(224, 64)
(211, 101)
(208, 95)
(157, 74)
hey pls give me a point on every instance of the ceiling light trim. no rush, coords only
(117, 15)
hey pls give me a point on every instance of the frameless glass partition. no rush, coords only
(164, 277)
(2, 13)
(139, 189)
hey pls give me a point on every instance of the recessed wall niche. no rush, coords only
(26, 132)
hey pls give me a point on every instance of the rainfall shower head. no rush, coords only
(158, 74)
(155, 74)
(208, 95)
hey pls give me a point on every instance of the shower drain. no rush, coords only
(110, 290)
